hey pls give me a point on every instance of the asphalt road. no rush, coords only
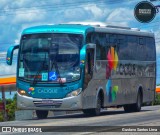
(112, 120)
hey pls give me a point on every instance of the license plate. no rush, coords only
(47, 101)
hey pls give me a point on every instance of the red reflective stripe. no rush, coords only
(7, 83)
(7, 80)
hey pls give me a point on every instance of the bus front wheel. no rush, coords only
(97, 110)
(41, 114)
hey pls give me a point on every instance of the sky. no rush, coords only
(16, 15)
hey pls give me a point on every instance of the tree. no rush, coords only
(11, 107)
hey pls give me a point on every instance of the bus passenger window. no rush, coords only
(141, 41)
(142, 49)
(150, 49)
(121, 46)
(112, 38)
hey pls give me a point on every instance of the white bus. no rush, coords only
(84, 67)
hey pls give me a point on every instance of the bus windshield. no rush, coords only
(50, 57)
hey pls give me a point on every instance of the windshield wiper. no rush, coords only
(38, 72)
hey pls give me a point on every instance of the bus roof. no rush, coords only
(82, 29)
(125, 31)
(59, 28)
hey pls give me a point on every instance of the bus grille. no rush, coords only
(47, 103)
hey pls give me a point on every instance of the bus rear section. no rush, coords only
(125, 69)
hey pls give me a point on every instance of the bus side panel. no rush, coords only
(123, 85)
(89, 94)
(148, 89)
(134, 76)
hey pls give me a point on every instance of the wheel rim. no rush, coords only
(98, 108)
(139, 101)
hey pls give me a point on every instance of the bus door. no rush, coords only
(90, 63)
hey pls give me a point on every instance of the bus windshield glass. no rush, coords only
(50, 57)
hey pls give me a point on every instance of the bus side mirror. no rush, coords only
(9, 56)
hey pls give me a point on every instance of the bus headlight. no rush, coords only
(74, 93)
(22, 92)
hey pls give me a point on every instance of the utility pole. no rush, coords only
(4, 102)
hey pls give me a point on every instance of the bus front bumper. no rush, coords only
(29, 103)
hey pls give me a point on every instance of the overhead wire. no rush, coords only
(22, 10)
(69, 3)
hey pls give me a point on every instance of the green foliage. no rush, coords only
(1, 116)
(11, 106)
(157, 100)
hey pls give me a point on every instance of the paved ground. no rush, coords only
(110, 121)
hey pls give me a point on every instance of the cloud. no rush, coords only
(158, 48)
(157, 40)
(78, 14)
(26, 13)
(6, 69)
(96, 11)
(120, 16)
(32, 16)
(4, 3)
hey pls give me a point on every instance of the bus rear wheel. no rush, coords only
(136, 107)
(95, 111)
(41, 114)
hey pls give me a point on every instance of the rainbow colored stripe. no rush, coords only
(112, 58)
(111, 91)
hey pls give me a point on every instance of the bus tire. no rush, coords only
(87, 112)
(95, 111)
(137, 106)
(41, 114)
